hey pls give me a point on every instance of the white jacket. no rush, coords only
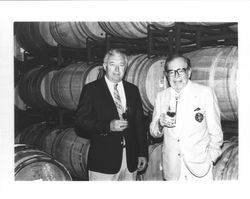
(197, 136)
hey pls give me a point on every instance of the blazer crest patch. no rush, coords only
(199, 117)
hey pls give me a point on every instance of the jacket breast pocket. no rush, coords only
(199, 116)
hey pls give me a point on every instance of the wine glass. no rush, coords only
(171, 113)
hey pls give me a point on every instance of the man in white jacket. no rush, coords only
(192, 132)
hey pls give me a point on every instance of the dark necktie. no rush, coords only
(117, 100)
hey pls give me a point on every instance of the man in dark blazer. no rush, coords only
(110, 114)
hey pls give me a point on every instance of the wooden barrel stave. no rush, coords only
(32, 134)
(153, 80)
(72, 151)
(19, 103)
(79, 32)
(139, 81)
(23, 87)
(61, 87)
(33, 164)
(62, 144)
(66, 34)
(154, 170)
(67, 84)
(30, 38)
(47, 140)
(93, 30)
(148, 75)
(46, 34)
(45, 87)
(107, 27)
(33, 87)
(75, 34)
(79, 76)
(27, 135)
(217, 68)
(132, 74)
(226, 167)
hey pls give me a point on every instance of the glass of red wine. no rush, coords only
(171, 113)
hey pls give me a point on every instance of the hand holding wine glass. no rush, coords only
(168, 119)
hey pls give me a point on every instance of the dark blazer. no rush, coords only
(95, 111)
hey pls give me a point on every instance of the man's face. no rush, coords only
(178, 74)
(115, 68)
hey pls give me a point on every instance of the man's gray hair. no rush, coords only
(113, 52)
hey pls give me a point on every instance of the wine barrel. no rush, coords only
(206, 23)
(217, 68)
(31, 38)
(19, 103)
(46, 34)
(148, 75)
(34, 87)
(75, 34)
(18, 50)
(154, 171)
(39, 135)
(29, 134)
(72, 151)
(234, 27)
(226, 167)
(32, 164)
(131, 29)
(67, 83)
(63, 144)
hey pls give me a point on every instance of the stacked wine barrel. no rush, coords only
(34, 87)
(35, 37)
(154, 171)
(19, 103)
(68, 82)
(217, 67)
(33, 164)
(75, 34)
(62, 144)
(46, 87)
(42, 37)
(226, 167)
(147, 74)
(131, 29)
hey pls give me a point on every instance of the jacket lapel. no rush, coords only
(126, 91)
(107, 98)
(188, 99)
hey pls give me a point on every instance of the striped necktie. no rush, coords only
(117, 100)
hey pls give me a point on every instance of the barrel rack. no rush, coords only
(179, 38)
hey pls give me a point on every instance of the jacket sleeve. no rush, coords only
(214, 125)
(86, 123)
(140, 128)
(155, 130)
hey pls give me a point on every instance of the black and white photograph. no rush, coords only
(149, 98)
(56, 61)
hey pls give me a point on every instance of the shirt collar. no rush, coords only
(184, 90)
(111, 84)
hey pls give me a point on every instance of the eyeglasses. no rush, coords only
(179, 71)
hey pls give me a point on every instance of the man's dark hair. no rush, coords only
(174, 56)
